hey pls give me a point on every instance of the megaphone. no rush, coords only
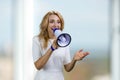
(63, 39)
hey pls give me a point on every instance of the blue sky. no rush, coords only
(85, 20)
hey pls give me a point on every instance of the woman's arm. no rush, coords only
(43, 60)
(78, 56)
(68, 67)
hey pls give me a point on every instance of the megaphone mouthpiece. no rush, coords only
(54, 29)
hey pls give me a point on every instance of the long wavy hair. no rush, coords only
(44, 26)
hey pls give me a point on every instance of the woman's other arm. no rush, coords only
(78, 56)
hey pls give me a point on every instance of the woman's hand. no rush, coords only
(54, 45)
(79, 55)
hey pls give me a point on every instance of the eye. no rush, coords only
(58, 22)
(51, 21)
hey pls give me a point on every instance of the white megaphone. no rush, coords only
(63, 39)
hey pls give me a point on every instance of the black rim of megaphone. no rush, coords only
(68, 43)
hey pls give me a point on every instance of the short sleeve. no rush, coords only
(67, 58)
(36, 49)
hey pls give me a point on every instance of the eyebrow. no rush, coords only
(53, 20)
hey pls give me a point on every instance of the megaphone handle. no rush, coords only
(52, 48)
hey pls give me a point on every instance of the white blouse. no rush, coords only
(53, 69)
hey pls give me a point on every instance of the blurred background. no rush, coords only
(6, 40)
(93, 25)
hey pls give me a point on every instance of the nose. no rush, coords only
(56, 25)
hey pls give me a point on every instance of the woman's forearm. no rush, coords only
(43, 60)
(70, 66)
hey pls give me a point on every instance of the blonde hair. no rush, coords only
(44, 25)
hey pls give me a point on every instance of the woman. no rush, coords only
(49, 59)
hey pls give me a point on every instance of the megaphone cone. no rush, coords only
(63, 39)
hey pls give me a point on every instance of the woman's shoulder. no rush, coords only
(37, 39)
